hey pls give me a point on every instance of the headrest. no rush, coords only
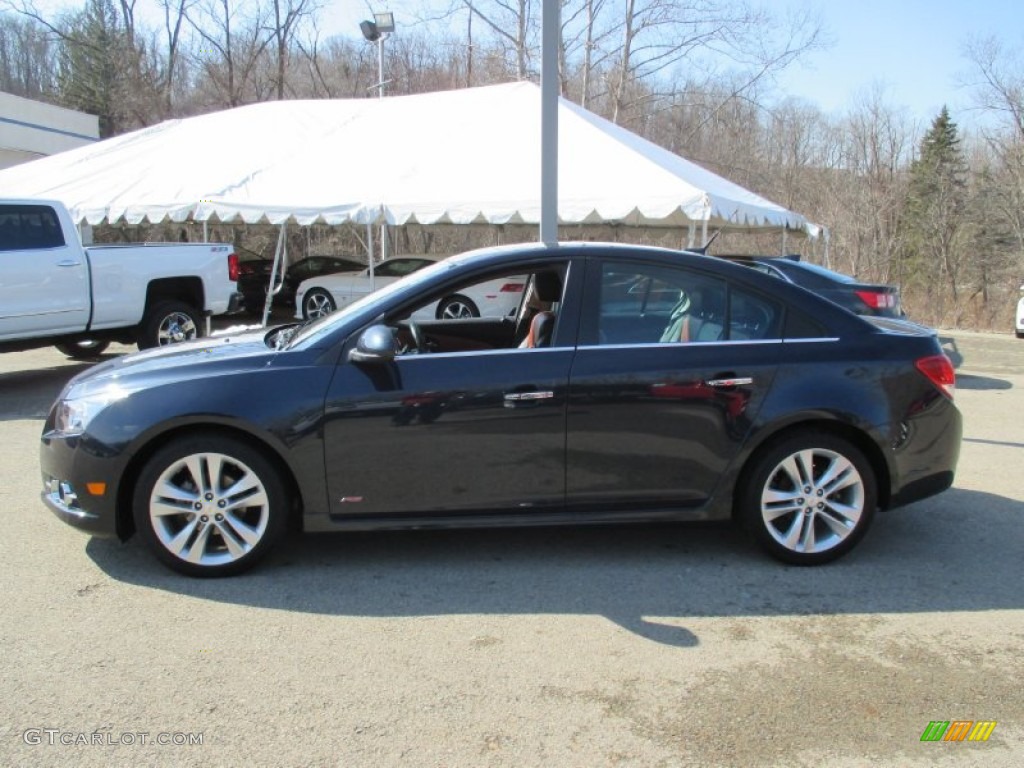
(548, 286)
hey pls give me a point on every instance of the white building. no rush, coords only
(31, 129)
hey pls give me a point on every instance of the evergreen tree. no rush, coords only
(937, 219)
(94, 53)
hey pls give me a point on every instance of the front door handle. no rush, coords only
(738, 381)
(518, 397)
(68, 263)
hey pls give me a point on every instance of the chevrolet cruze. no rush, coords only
(631, 384)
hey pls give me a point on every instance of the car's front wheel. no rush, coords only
(809, 498)
(317, 303)
(209, 505)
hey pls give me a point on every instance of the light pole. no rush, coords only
(377, 31)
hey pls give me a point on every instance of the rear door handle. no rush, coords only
(738, 381)
(68, 263)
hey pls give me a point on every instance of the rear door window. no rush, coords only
(653, 304)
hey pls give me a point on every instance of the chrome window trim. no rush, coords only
(592, 347)
(482, 352)
(728, 343)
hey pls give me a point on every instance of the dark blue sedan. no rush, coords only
(633, 384)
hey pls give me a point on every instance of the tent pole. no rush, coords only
(278, 254)
(704, 233)
(206, 230)
(369, 255)
(783, 241)
(692, 234)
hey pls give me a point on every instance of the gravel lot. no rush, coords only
(641, 647)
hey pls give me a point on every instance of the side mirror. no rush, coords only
(376, 345)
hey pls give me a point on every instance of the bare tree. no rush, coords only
(513, 24)
(27, 58)
(233, 39)
(286, 16)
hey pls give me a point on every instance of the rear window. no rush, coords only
(818, 271)
(29, 227)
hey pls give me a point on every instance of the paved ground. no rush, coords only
(644, 647)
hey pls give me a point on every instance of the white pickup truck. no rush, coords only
(53, 290)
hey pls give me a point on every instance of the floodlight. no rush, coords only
(370, 31)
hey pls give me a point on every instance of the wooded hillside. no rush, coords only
(928, 207)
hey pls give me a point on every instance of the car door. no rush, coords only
(44, 280)
(671, 369)
(481, 431)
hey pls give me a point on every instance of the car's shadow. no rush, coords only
(974, 381)
(959, 551)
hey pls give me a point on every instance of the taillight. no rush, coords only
(939, 371)
(877, 299)
(233, 267)
(511, 288)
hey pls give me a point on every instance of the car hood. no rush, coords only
(201, 358)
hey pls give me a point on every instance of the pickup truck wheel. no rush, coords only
(169, 322)
(87, 349)
(209, 505)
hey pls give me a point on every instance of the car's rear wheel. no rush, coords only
(317, 303)
(456, 307)
(209, 505)
(169, 322)
(809, 498)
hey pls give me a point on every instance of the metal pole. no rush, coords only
(369, 253)
(549, 123)
(280, 258)
(380, 66)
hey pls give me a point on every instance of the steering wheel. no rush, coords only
(419, 341)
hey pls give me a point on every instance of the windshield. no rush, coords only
(368, 305)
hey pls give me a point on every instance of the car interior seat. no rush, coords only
(540, 317)
(541, 329)
(695, 318)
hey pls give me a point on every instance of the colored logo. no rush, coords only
(958, 730)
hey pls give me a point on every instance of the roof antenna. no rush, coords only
(704, 248)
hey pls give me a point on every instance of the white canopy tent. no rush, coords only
(460, 157)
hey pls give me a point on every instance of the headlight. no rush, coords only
(75, 413)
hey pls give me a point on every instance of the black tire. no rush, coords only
(86, 349)
(317, 303)
(214, 533)
(169, 322)
(457, 307)
(1020, 334)
(816, 520)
